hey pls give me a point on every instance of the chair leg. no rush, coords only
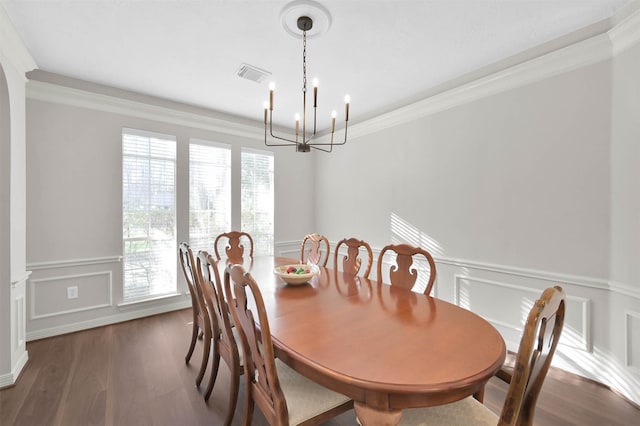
(248, 405)
(233, 395)
(194, 336)
(479, 396)
(205, 358)
(214, 372)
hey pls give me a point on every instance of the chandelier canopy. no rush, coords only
(305, 139)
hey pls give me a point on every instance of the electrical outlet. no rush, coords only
(72, 292)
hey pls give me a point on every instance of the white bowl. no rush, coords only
(295, 278)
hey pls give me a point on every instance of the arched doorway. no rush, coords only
(5, 239)
(5, 176)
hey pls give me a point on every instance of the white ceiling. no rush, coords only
(383, 53)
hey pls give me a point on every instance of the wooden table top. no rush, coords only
(385, 347)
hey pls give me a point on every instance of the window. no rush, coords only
(148, 214)
(257, 199)
(209, 193)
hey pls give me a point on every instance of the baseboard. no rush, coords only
(7, 380)
(107, 320)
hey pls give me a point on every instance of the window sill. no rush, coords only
(133, 304)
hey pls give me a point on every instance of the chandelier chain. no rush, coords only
(304, 61)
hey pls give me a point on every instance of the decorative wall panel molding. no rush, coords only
(48, 295)
(515, 302)
(632, 340)
(18, 343)
(527, 273)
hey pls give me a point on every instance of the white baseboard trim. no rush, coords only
(108, 320)
(11, 378)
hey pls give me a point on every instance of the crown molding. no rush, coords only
(12, 47)
(49, 92)
(598, 48)
(590, 51)
(625, 34)
(578, 55)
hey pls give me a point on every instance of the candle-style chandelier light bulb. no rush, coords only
(304, 140)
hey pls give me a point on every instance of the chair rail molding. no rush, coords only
(72, 263)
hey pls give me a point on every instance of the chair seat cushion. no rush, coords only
(305, 398)
(465, 412)
(236, 336)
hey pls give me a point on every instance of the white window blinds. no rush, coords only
(257, 186)
(209, 193)
(149, 214)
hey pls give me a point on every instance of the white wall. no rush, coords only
(515, 182)
(74, 200)
(625, 211)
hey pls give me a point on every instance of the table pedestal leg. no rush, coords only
(368, 416)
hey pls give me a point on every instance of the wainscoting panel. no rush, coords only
(49, 295)
(632, 340)
(507, 306)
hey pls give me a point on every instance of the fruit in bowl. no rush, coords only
(298, 273)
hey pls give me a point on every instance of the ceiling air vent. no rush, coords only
(252, 73)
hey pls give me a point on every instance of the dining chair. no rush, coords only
(404, 273)
(284, 396)
(317, 249)
(352, 262)
(201, 325)
(234, 244)
(225, 339)
(538, 344)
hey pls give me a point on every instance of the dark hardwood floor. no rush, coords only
(134, 373)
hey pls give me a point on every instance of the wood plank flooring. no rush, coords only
(133, 373)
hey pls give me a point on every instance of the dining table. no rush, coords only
(385, 347)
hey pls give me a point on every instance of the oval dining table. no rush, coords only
(385, 347)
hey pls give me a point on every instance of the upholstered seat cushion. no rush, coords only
(305, 398)
(236, 336)
(466, 412)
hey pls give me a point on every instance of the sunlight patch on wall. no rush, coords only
(404, 232)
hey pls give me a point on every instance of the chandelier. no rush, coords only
(305, 139)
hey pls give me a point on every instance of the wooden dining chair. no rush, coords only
(201, 324)
(235, 244)
(538, 344)
(404, 273)
(225, 339)
(284, 396)
(315, 249)
(352, 262)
